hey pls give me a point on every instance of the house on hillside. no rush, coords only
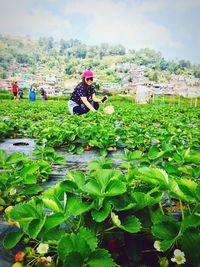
(5, 84)
(111, 86)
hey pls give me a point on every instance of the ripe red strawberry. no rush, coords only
(88, 148)
(19, 256)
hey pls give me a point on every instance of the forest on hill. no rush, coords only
(69, 57)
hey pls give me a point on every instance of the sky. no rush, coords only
(169, 26)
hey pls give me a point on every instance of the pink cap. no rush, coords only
(87, 74)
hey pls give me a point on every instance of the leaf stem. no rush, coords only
(181, 207)
(161, 208)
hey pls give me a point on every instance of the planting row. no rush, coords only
(108, 216)
(131, 126)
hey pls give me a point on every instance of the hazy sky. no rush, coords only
(169, 26)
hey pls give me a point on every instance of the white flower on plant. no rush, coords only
(48, 259)
(157, 245)
(13, 191)
(179, 257)
(117, 138)
(42, 248)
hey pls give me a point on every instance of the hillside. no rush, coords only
(69, 58)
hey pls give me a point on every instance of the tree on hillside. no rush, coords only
(183, 64)
(197, 72)
(117, 50)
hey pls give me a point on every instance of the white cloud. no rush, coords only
(121, 22)
(160, 5)
(133, 23)
(22, 17)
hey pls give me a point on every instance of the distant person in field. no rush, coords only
(32, 93)
(83, 98)
(45, 96)
(15, 90)
(42, 94)
(20, 93)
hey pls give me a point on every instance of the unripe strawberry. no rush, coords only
(17, 264)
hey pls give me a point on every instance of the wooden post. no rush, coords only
(195, 102)
(191, 102)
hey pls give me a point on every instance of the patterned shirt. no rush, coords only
(80, 92)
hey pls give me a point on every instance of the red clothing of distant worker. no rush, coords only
(14, 88)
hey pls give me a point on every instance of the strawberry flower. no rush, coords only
(42, 248)
(157, 245)
(179, 257)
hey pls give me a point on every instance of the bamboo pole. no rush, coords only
(191, 102)
(195, 102)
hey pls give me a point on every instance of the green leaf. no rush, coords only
(80, 150)
(154, 176)
(129, 155)
(157, 216)
(24, 212)
(170, 168)
(166, 244)
(141, 200)
(54, 220)
(189, 196)
(131, 224)
(100, 163)
(165, 230)
(64, 186)
(11, 239)
(198, 191)
(3, 157)
(74, 259)
(65, 246)
(114, 188)
(190, 243)
(92, 188)
(29, 179)
(2, 202)
(106, 184)
(78, 178)
(52, 203)
(29, 169)
(102, 214)
(178, 158)
(105, 176)
(35, 227)
(190, 221)
(154, 153)
(53, 234)
(89, 237)
(76, 207)
(32, 189)
(73, 243)
(100, 258)
(14, 158)
(192, 157)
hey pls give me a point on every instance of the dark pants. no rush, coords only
(82, 110)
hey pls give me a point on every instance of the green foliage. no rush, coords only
(130, 199)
